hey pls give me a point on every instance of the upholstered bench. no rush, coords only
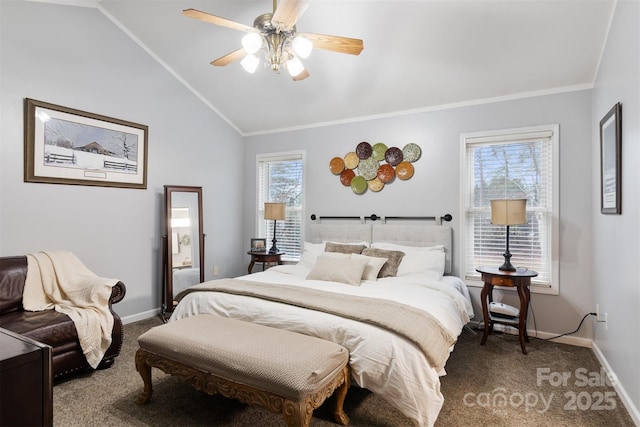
(282, 371)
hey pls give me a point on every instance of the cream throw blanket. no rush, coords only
(418, 326)
(59, 280)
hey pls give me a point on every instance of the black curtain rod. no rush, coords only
(374, 217)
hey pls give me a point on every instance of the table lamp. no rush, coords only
(274, 211)
(508, 212)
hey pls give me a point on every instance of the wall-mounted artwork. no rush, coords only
(611, 161)
(371, 167)
(68, 146)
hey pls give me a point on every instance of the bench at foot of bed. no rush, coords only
(281, 371)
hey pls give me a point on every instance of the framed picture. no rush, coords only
(67, 146)
(258, 245)
(611, 161)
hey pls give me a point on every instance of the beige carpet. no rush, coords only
(478, 376)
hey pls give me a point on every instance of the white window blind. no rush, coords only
(511, 164)
(280, 180)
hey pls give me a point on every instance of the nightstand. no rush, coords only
(521, 280)
(265, 258)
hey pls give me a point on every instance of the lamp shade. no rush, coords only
(274, 211)
(508, 211)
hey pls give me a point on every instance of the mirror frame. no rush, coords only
(168, 302)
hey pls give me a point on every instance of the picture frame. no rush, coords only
(67, 146)
(258, 245)
(611, 161)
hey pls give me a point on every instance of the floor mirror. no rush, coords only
(183, 243)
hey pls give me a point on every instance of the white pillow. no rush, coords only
(374, 265)
(338, 269)
(417, 259)
(310, 252)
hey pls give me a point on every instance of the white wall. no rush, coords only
(616, 238)
(434, 189)
(76, 57)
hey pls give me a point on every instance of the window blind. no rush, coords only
(280, 180)
(510, 166)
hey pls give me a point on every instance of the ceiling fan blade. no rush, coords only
(229, 58)
(303, 75)
(213, 19)
(287, 13)
(335, 43)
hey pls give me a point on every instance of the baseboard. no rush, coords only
(622, 393)
(141, 316)
(566, 339)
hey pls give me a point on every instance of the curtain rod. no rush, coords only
(374, 217)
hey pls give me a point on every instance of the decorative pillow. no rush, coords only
(417, 259)
(390, 268)
(310, 252)
(374, 265)
(344, 248)
(338, 269)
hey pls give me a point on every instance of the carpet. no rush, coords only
(490, 385)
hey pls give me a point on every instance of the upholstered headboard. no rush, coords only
(408, 235)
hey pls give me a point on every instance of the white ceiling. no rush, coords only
(418, 55)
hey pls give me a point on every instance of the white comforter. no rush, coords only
(381, 361)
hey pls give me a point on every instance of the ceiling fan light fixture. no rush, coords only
(302, 46)
(252, 42)
(294, 66)
(250, 63)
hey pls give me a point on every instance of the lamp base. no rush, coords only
(273, 249)
(507, 263)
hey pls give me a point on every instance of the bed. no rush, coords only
(423, 308)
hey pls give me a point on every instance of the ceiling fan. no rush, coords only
(276, 34)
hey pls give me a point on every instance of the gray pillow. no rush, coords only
(390, 268)
(343, 248)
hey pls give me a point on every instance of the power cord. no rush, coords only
(535, 325)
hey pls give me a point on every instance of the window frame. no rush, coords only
(506, 135)
(298, 155)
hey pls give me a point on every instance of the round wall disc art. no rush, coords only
(363, 150)
(411, 152)
(378, 151)
(358, 184)
(393, 156)
(336, 165)
(375, 185)
(346, 176)
(374, 167)
(386, 173)
(368, 168)
(351, 160)
(404, 170)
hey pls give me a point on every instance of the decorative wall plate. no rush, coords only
(404, 170)
(363, 150)
(351, 160)
(368, 168)
(386, 173)
(375, 185)
(393, 156)
(411, 152)
(358, 184)
(336, 165)
(346, 176)
(378, 151)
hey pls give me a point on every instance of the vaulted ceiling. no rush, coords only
(418, 55)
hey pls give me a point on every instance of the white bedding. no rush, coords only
(381, 361)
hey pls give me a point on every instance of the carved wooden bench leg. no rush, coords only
(340, 394)
(145, 372)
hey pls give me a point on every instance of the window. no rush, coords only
(512, 164)
(280, 179)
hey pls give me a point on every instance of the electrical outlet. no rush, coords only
(216, 271)
(606, 325)
(598, 312)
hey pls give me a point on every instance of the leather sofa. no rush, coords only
(49, 326)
